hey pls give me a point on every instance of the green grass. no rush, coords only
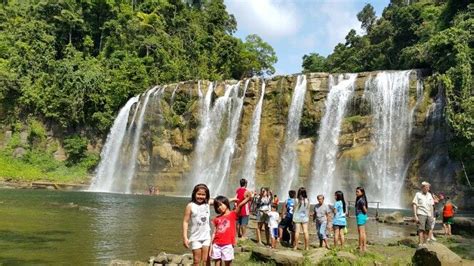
(35, 166)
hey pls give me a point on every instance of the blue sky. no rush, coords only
(298, 27)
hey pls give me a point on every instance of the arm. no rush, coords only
(414, 213)
(212, 237)
(283, 211)
(211, 201)
(242, 203)
(186, 218)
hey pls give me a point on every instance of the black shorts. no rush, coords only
(340, 227)
(287, 222)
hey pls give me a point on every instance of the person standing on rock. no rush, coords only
(339, 222)
(241, 194)
(361, 206)
(197, 212)
(301, 218)
(287, 220)
(423, 203)
(321, 217)
(448, 216)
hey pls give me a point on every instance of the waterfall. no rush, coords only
(250, 158)
(117, 167)
(388, 94)
(131, 163)
(216, 138)
(106, 171)
(325, 151)
(289, 157)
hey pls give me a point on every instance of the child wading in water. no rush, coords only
(223, 238)
(339, 221)
(321, 217)
(361, 216)
(197, 211)
(301, 217)
(273, 219)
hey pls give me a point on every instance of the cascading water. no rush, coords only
(388, 94)
(216, 143)
(130, 164)
(116, 169)
(289, 158)
(106, 171)
(324, 160)
(250, 158)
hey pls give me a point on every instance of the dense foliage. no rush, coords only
(431, 34)
(75, 62)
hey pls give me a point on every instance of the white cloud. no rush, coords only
(340, 19)
(269, 19)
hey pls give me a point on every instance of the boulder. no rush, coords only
(392, 218)
(161, 258)
(463, 225)
(174, 259)
(187, 259)
(288, 257)
(19, 152)
(316, 255)
(347, 256)
(262, 254)
(435, 254)
(127, 263)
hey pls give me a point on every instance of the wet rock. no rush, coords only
(408, 242)
(435, 254)
(392, 218)
(463, 225)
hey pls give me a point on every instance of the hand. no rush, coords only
(186, 243)
(417, 221)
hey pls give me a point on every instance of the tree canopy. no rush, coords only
(430, 34)
(75, 62)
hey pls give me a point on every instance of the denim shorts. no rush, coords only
(321, 229)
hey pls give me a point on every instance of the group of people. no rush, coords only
(291, 221)
(426, 208)
(294, 218)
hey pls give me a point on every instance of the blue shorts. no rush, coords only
(243, 220)
(274, 232)
(361, 219)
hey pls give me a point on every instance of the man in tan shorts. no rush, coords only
(423, 203)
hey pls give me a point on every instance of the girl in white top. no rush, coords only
(263, 207)
(197, 211)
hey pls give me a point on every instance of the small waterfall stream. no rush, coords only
(216, 138)
(289, 157)
(388, 94)
(251, 152)
(110, 156)
(324, 159)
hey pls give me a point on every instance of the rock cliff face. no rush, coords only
(171, 127)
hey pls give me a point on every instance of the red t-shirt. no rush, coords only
(225, 229)
(245, 210)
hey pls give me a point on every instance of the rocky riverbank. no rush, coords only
(388, 245)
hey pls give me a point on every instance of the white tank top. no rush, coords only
(200, 228)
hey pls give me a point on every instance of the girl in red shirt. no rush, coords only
(223, 236)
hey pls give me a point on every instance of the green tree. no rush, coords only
(367, 17)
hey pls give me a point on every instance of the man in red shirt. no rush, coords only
(243, 216)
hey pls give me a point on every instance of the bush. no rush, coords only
(75, 148)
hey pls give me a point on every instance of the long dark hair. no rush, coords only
(302, 196)
(340, 196)
(363, 196)
(196, 189)
(221, 200)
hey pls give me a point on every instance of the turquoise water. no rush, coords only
(76, 228)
